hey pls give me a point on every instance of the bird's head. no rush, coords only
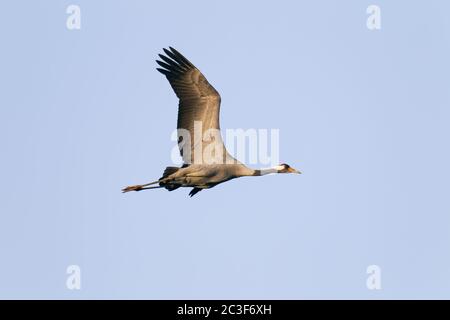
(285, 168)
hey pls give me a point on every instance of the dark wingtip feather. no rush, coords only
(163, 64)
(166, 51)
(181, 57)
(178, 58)
(164, 71)
(165, 58)
(173, 63)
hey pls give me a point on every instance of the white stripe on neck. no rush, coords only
(268, 171)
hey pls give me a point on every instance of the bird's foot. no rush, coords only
(132, 188)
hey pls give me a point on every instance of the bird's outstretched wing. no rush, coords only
(198, 126)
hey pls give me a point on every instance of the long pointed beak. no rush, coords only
(292, 170)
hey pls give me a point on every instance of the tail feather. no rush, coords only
(194, 191)
(167, 172)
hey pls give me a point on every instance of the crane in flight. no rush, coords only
(199, 104)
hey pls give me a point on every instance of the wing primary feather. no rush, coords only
(164, 65)
(167, 60)
(165, 72)
(181, 57)
(169, 68)
(173, 63)
(171, 55)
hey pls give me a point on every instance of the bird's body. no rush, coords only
(204, 176)
(198, 131)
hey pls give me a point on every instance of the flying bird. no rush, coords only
(199, 103)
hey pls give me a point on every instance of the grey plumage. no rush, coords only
(198, 102)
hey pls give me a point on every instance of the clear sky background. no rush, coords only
(364, 114)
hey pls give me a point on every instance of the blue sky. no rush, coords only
(363, 114)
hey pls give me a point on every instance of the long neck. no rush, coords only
(263, 172)
(246, 171)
